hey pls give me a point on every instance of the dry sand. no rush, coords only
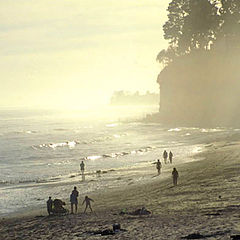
(206, 201)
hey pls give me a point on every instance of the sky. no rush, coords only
(73, 53)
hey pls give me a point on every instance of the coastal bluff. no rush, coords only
(201, 88)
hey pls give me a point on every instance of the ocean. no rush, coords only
(40, 151)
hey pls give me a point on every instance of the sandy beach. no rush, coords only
(205, 203)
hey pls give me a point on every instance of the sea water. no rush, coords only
(40, 152)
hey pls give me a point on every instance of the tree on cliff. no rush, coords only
(192, 24)
(230, 21)
(199, 81)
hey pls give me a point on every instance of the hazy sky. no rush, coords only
(70, 53)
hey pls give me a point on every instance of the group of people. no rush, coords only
(74, 201)
(167, 156)
(159, 166)
(56, 206)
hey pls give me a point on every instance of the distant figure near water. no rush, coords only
(158, 166)
(175, 176)
(170, 156)
(82, 168)
(74, 200)
(88, 201)
(165, 156)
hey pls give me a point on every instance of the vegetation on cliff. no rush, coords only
(200, 82)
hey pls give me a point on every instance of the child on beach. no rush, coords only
(49, 205)
(87, 200)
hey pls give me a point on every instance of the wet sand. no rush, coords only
(206, 201)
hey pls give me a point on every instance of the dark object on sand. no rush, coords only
(213, 235)
(104, 232)
(141, 211)
(213, 214)
(193, 236)
(235, 237)
(116, 227)
(58, 208)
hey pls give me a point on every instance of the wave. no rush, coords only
(30, 181)
(20, 132)
(120, 154)
(174, 130)
(73, 143)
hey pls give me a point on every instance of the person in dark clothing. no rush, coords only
(158, 166)
(82, 168)
(175, 176)
(58, 208)
(49, 205)
(170, 156)
(74, 200)
(165, 156)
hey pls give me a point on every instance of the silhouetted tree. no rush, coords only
(192, 24)
(166, 56)
(230, 22)
(199, 81)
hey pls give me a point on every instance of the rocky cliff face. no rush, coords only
(202, 88)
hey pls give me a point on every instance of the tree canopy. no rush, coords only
(199, 82)
(194, 24)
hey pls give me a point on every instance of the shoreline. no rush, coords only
(207, 195)
(141, 173)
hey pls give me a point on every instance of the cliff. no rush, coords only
(201, 88)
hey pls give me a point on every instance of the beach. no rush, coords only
(205, 202)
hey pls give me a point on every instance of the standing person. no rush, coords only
(170, 156)
(82, 168)
(87, 200)
(49, 205)
(74, 200)
(158, 166)
(165, 156)
(175, 176)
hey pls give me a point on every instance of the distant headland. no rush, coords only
(121, 98)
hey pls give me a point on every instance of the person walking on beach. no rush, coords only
(170, 157)
(49, 205)
(158, 166)
(82, 168)
(175, 176)
(88, 201)
(165, 156)
(74, 200)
